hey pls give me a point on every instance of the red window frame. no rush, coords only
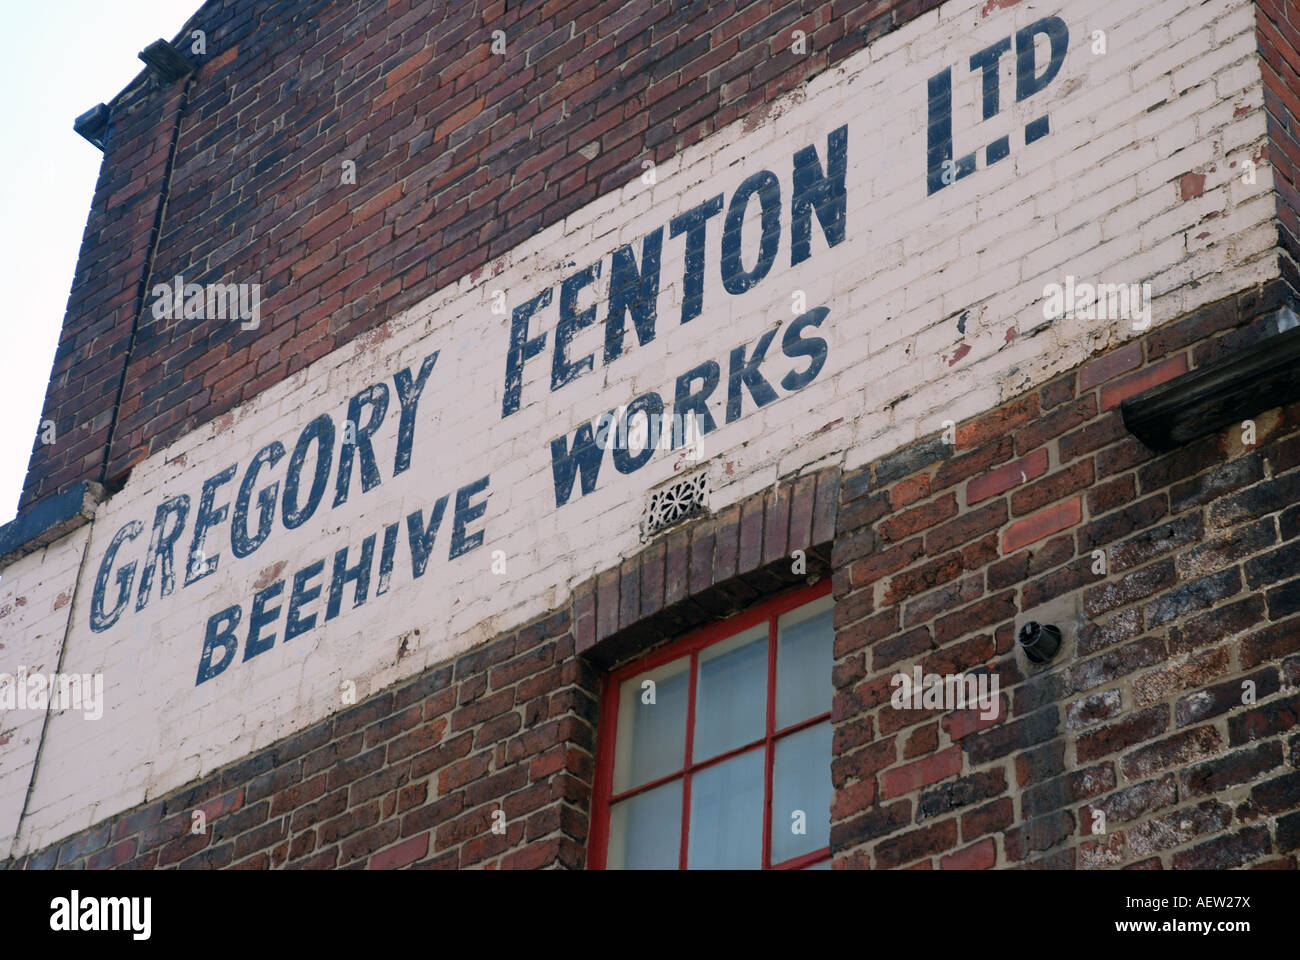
(691, 645)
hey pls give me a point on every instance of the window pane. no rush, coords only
(726, 830)
(645, 831)
(731, 693)
(651, 736)
(801, 780)
(804, 640)
(820, 865)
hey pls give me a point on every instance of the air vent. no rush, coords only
(679, 501)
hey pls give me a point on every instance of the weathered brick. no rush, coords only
(1223, 853)
(1240, 766)
(1270, 643)
(1177, 828)
(1038, 834)
(913, 521)
(1265, 720)
(1216, 700)
(1197, 595)
(999, 741)
(1135, 728)
(1007, 476)
(1155, 542)
(1112, 664)
(1154, 375)
(1131, 586)
(966, 528)
(968, 464)
(1042, 524)
(989, 818)
(1054, 424)
(1213, 626)
(1225, 478)
(1179, 675)
(1041, 798)
(979, 856)
(1133, 803)
(900, 780)
(875, 822)
(910, 846)
(1052, 488)
(1176, 751)
(1092, 709)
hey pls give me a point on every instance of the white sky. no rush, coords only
(58, 59)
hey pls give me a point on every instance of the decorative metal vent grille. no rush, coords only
(674, 503)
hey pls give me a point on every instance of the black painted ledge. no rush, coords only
(48, 521)
(1205, 400)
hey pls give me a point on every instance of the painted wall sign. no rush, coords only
(285, 482)
(803, 286)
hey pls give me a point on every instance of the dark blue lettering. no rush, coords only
(1058, 34)
(652, 407)
(322, 431)
(421, 538)
(521, 350)
(746, 372)
(376, 398)
(823, 193)
(939, 137)
(987, 62)
(794, 344)
(465, 515)
(633, 292)
(734, 277)
(359, 574)
(294, 625)
(693, 223)
(562, 370)
(220, 633)
(697, 403)
(408, 394)
(241, 544)
(160, 548)
(199, 565)
(260, 617)
(583, 459)
(99, 620)
(386, 557)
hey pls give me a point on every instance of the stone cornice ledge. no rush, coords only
(48, 521)
(1205, 400)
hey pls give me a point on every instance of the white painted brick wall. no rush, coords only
(1097, 198)
(35, 603)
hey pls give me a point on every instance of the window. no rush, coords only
(715, 751)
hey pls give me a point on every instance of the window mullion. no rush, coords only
(688, 759)
(769, 744)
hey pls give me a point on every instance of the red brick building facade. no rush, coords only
(937, 551)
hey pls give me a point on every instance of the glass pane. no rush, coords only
(731, 694)
(801, 780)
(804, 640)
(651, 736)
(645, 831)
(820, 865)
(727, 814)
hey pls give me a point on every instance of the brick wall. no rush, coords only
(939, 552)
(414, 775)
(942, 551)
(934, 311)
(460, 156)
(409, 777)
(1278, 32)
